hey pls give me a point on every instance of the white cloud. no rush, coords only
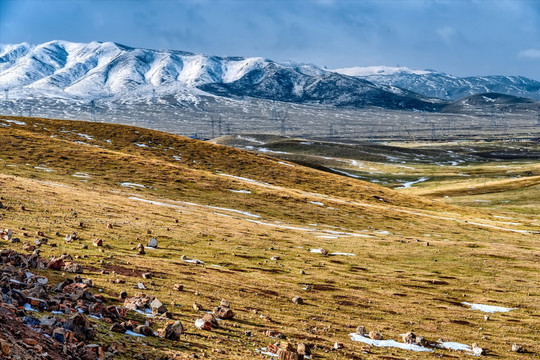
(533, 54)
(447, 33)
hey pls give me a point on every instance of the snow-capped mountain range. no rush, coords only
(444, 86)
(106, 70)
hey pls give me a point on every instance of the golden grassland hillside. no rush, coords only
(401, 261)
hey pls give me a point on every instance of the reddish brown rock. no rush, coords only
(222, 312)
(172, 331)
(203, 325)
(73, 267)
(56, 263)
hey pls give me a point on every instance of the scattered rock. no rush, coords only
(517, 348)
(287, 346)
(297, 300)
(420, 340)
(139, 302)
(98, 242)
(80, 326)
(157, 307)
(375, 335)
(197, 307)
(73, 267)
(117, 327)
(144, 330)
(172, 331)
(338, 345)
(140, 249)
(360, 330)
(409, 338)
(56, 263)
(152, 243)
(6, 234)
(6, 350)
(288, 355)
(203, 325)
(71, 237)
(303, 349)
(275, 334)
(28, 247)
(178, 287)
(222, 312)
(147, 275)
(477, 350)
(211, 319)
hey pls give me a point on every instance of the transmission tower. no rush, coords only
(432, 131)
(538, 119)
(93, 110)
(371, 132)
(424, 117)
(493, 119)
(219, 126)
(282, 117)
(6, 92)
(274, 111)
(228, 129)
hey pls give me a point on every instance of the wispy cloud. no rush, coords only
(447, 33)
(533, 54)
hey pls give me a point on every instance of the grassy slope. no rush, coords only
(394, 284)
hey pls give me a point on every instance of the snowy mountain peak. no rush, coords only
(445, 86)
(379, 70)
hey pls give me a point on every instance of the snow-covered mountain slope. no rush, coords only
(109, 69)
(112, 71)
(445, 86)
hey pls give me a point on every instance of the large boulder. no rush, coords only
(222, 312)
(172, 331)
(152, 243)
(81, 327)
(157, 307)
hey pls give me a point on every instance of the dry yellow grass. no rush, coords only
(395, 282)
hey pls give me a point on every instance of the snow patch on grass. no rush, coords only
(132, 185)
(488, 308)
(388, 343)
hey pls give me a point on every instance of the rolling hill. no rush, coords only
(255, 224)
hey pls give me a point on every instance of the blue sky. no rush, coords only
(460, 37)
